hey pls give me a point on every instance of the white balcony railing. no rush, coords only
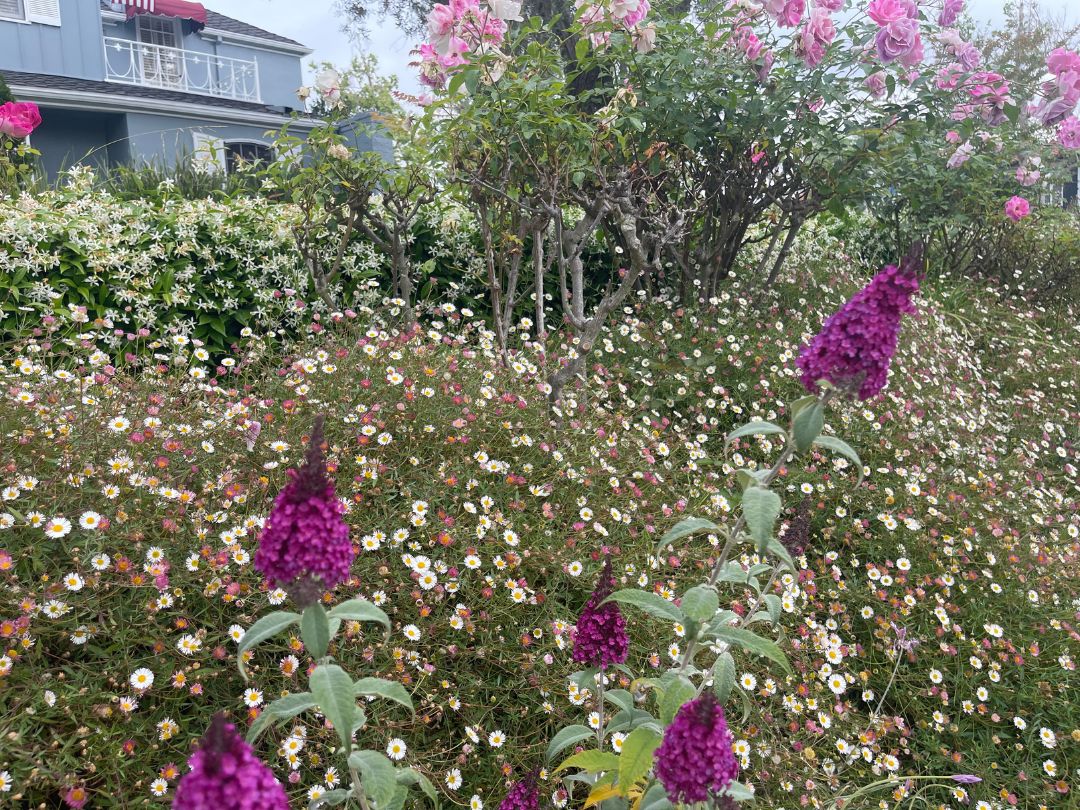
(177, 69)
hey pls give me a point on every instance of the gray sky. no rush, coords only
(316, 24)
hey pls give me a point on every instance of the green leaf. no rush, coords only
(761, 508)
(391, 690)
(455, 83)
(700, 603)
(723, 676)
(649, 602)
(566, 737)
(750, 478)
(806, 425)
(776, 548)
(740, 792)
(262, 722)
(685, 528)
(360, 610)
(754, 643)
(773, 605)
(621, 698)
(581, 49)
(585, 679)
(266, 627)
(753, 429)
(591, 761)
(397, 800)
(637, 756)
(633, 719)
(332, 798)
(411, 776)
(291, 705)
(655, 798)
(333, 689)
(377, 773)
(315, 630)
(844, 449)
(676, 694)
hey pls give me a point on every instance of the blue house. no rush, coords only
(151, 81)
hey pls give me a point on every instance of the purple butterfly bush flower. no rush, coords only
(226, 775)
(855, 345)
(695, 756)
(601, 638)
(523, 795)
(305, 545)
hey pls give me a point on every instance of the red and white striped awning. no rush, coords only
(184, 9)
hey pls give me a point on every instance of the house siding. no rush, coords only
(362, 134)
(71, 49)
(163, 140)
(69, 137)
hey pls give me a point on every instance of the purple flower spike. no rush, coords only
(305, 545)
(601, 638)
(523, 795)
(226, 775)
(855, 345)
(695, 756)
(966, 778)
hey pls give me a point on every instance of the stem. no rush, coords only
(358, 788)
(600, 712)
(736, 533)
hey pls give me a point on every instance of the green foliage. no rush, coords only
(5, 92)
(152, 183)
(363, 88)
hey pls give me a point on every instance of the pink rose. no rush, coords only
(897, 38)
(948, 77)
(766, 66)
(1062, 59)
(961, 155)
(1027, 176)
(1069, 133)
(747, 42)
(829, 5)
(914, 56)
(884, 12)
(816, 36)
(463, 7)
(1017, 208)
(440, 21)
(950, 11)
(875, 83)
(786, 12)
(19, 118)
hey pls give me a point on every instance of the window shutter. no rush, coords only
(46, 12)
(208, 154)
(11, 10)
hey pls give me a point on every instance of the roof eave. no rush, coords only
(106, 102)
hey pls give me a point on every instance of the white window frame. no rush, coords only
(177, 32)
(225, 144)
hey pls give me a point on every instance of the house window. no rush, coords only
(162, 63)
(12, 10)
(246, 153)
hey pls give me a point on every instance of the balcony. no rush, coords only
(184, 71)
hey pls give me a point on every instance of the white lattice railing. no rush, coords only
(177, 69)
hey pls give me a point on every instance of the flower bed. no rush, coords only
(930, 624)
